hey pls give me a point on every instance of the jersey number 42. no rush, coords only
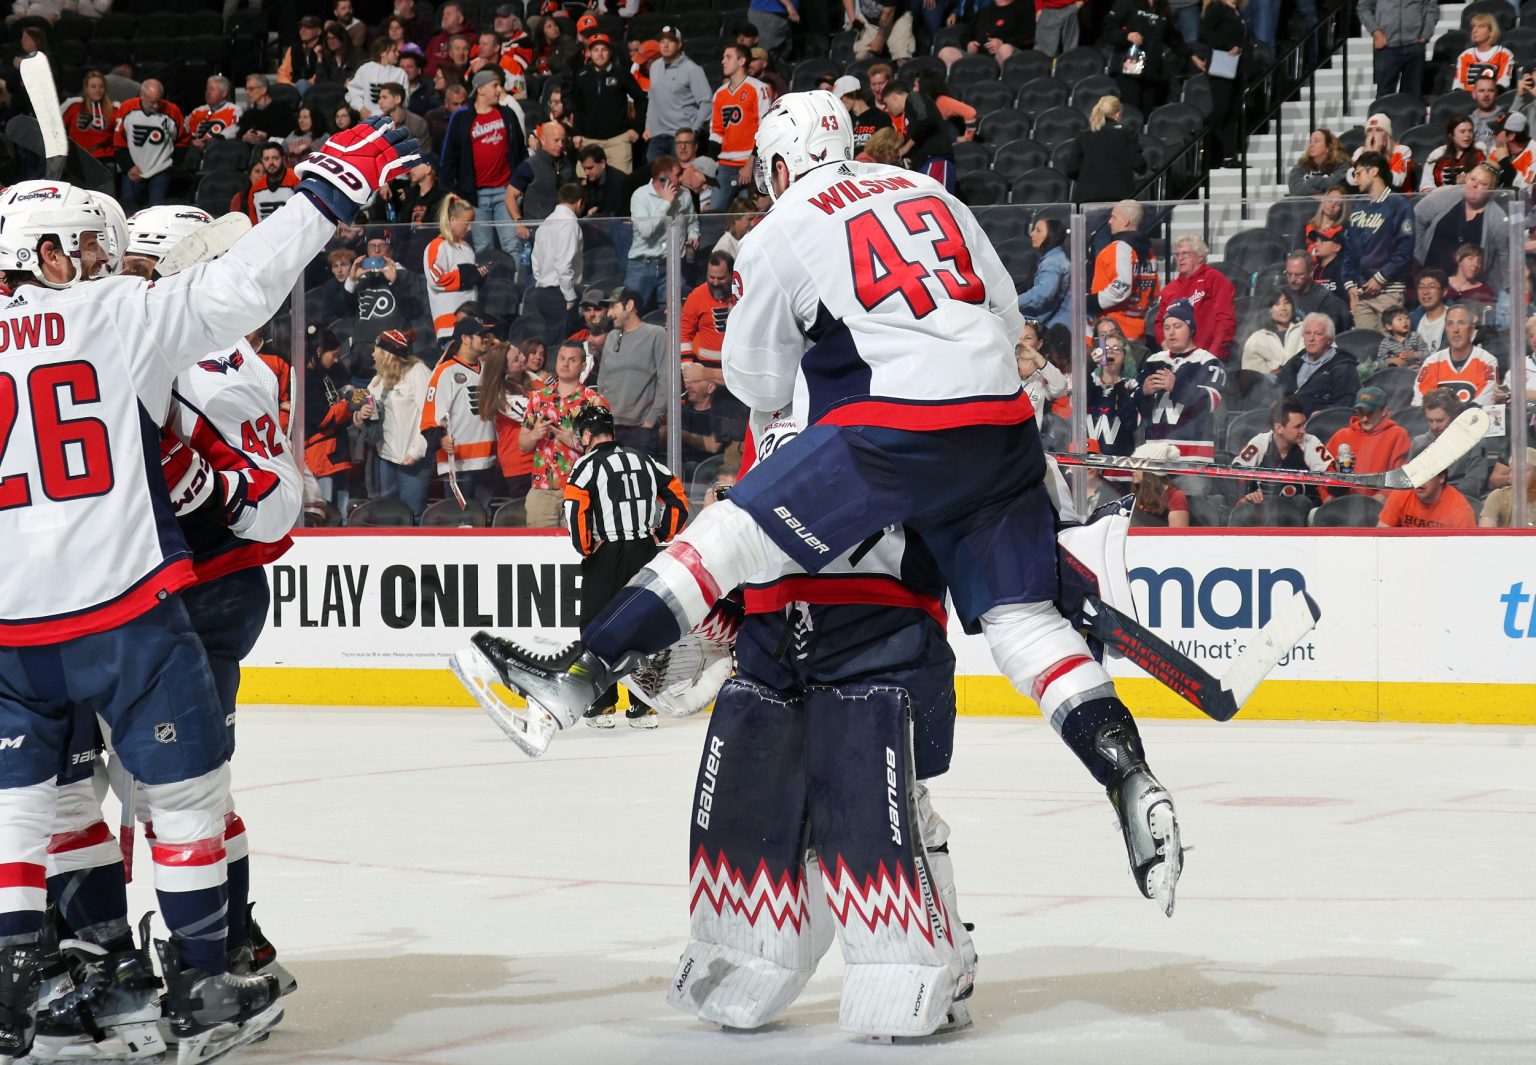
(74, 459)
(880, 271)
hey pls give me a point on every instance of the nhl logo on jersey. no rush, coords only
(165, 732)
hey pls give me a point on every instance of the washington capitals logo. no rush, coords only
(232, 361)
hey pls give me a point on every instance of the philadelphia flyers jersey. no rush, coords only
(149, 137)
(453, 405)
(1310, 455)
(733, 119)
(86, 373)
(225, 406)
(703, 325)
(880, 292)
(1473, 380)
(218, 121)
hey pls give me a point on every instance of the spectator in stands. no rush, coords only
(345, 118)
(1429, 316)
(506, 386)
(960, 115)
(759, 67)
(602, 98)
(698, 424)
(999, 29)
(1287, 446)
(883, 147)
(603, 192)
(1125, 273)
(743, 218)
(879, 76)
(1462, 366)
(1399, 30)
(1401, 172)
(91, 118)
(1432, 505)
(399, 393)
(1513, 152)
(460, 52)
(1181, 387)
(276, 185)
(867, 120)
(1448, 218)
(392, 106)
(1450, 163)
(635, 372)
(1204, 288)
(1320, 374)
(1400, 345)
(1148, 48)
(454, 99)
(1485, 111)
(1525, 97)
(1273, 344)
(482, 151)
(1504, 312)
(1486, 58)
(1043, 383)
(928, 143)
(1056, 26)
(1372, 442)
(264, 118)
(595, 327)
(1378, 244)
(421, 95)
(1324, 165)
(772, 18)
(396, 31)
(418, 25)
(557, 266)
(882, 27)
(149, 131)
(1324, 236)
(453, 277)
(679, 96)
(452, 23)
(383, 67)
(701, 174)
(1049, 296)
(1499, 507)
(339, 56)
(328, 409)
(533, 349)
(217, 117)
(1112, 403)
(465, 445)
(653, 207)
(702, 329)
(1471, 474)
(1467, 283)
(1105, 158)
(1223, 29)
(382, 288)
(556, 47)
(1158, 502)
(734, 112)
(334, 300)
(356, 29)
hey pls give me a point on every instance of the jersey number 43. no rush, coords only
(74, 460)
(880, 271)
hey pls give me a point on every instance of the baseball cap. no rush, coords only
(412, 48)
(505, 11)
(1510, 122)
(593, 297)
(394, 341)
(473, 326)
(486, 77)
(311, 22)
(672, 32)
(624, 295)
(847, 85)
(1370, 398)
(599, 38)
(585, 23)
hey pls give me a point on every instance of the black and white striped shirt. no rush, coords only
(617, 493)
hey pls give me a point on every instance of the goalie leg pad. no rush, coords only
(752, 949)
(904, 968)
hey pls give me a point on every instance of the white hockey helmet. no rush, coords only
(32, 210)
(806, 130)
(154, 231)
(117, 230)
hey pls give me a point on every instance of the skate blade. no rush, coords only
(648, 722)
(287, 983)
(218, 1042)
(140, 1043)
(530, 727)
(1163, 878)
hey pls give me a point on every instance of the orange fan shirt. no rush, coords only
(733, 119)
(1451, 511)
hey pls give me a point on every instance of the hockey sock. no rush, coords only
(26, 817)
(190, 868)
(85, 879)
(238, 864)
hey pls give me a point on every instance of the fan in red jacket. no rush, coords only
(1207, 290)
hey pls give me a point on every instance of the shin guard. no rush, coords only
(752, 947)
(904, 967)
(85, 867)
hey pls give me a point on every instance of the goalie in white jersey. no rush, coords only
(879, 291)
(90, 617)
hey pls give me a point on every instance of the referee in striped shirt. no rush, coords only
(620, 506)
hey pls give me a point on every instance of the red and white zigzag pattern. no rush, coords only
(721, 887)
(882, 899)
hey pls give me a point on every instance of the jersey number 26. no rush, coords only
(880, 271)
(61, 442)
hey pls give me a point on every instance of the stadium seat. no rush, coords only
(512, 514)
(1040, 94)
(1004, 223)
(1209, 512)
(1249, 391)
(1404, 109)
(201, 24)
(1197, 92)
(1324, 423)
(116, 25)
(645, 26)
(698, 23)
(1040, 186)
(922, 64)
(501, 297)
(1176, 123)
(1021, 258)
(950, 37)
(1021, 68)
(1087, 92)
(287, 94)
(327, 98)
(71, 28)
(1398, 382)
(321, 515)
(969, 69)
(1499, 9)
(1455, 102)
(1002, 126)
(1242, 280)
(1274, 513)
(1412, 419)
(1058, 124)
(231, 156)
(1360, 343)
(1155, 152)
(1016, 157)
(1423, 140)
(980, 190)
(216, 190)
(988, 96)
(1520, 40)
(808, 71)
(381, 514)
(1079, 63)
(707, 50)
(162, 24)
(970, 157)
(150, 52)
(67, 53)
(704, 475)
(1287, 219)
(107, 52)
(1132, 118)
(1348, 512)
(1352, 138)
(1250, 250)
(447, 514)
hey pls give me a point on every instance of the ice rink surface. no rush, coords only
(1354, 894)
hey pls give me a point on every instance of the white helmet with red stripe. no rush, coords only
(31, 211)
(806, 130)
(154, 231)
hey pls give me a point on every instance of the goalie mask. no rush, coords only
(154, 231)
(31, 211)
(806, 130)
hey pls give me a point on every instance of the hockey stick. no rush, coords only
(37, 76)
(1460, 437)
(205, 244)
(1216, 697)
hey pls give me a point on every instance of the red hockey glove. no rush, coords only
(350, 167)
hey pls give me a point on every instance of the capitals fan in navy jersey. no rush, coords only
(86, 375)
(879, 293)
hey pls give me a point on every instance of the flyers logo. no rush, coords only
(212, 127)
(143, 135)
(730, 115)
(736, 286)
(720, 314)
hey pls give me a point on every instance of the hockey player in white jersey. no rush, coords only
(93, 617)
(880, 293)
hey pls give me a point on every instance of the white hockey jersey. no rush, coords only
(85, 384)
(880, 291)
(226, 408)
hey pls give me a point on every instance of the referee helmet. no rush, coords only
(593, 419)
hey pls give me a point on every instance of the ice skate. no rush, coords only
(642, 717)
(601, 717)
(210, 1015)
(263, 956)
(112, 1014)
(1147, 817)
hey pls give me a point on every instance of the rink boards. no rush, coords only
(1416, 627)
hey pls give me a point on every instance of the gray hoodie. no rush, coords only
(1403, 21)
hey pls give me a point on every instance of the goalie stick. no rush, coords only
(205, 244)
(1217, 697)
(37, 76)
(1460, 437)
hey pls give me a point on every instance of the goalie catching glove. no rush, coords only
(195, 485)
(343, 174)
